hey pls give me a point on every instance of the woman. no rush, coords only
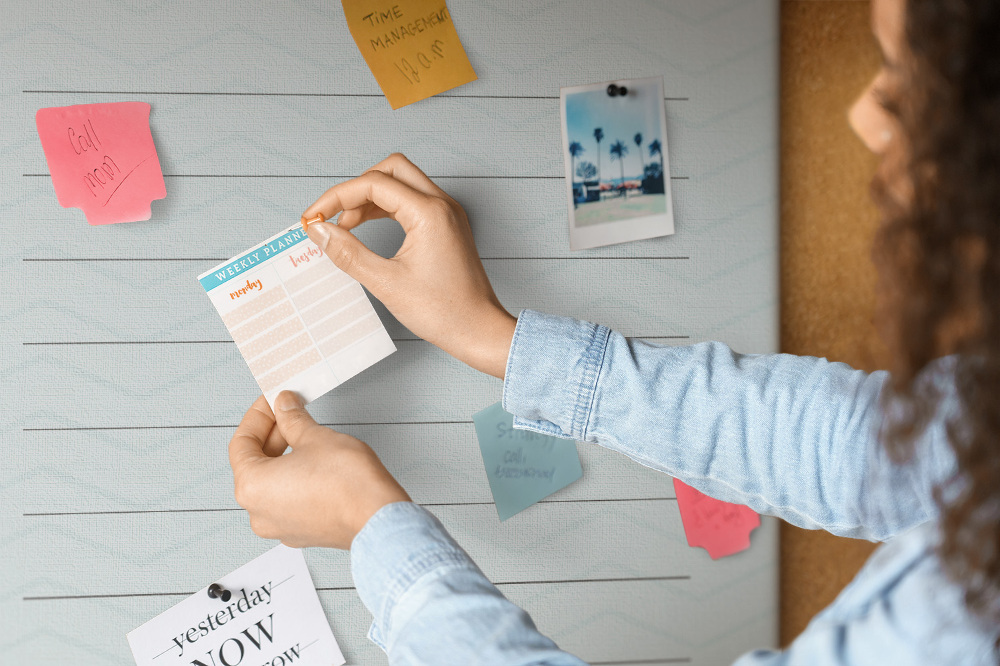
(909, 458)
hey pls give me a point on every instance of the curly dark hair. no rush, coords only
(938, 253)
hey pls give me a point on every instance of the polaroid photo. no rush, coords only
(617, 166)
(301, 323)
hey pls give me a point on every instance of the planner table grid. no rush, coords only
(300, 322)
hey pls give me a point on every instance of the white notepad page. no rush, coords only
(300, 322)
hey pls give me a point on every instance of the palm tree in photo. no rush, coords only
(586, 171)
(575, 149)
(638, 144)
(618, 152)
(598, 135)
(656, 149)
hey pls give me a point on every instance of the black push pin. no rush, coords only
(216, 591)
(616, 90)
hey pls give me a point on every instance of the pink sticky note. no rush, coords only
(102, 159)
(720, 528)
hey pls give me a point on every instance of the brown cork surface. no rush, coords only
(827, 221)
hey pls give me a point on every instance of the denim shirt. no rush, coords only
(794, 437)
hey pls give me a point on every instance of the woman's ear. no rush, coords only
(869, 119)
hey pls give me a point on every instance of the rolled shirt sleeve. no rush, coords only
(791, 436)
(430, 602)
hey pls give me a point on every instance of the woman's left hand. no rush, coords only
(320, 494)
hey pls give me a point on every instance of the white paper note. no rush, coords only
(300, 322)
(273, 617)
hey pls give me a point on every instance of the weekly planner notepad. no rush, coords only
(300, 322)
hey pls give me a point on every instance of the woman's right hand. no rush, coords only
(435, 285)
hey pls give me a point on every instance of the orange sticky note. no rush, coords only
(411, 47)
(719, 527)
(102, 159)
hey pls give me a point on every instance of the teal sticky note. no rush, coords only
(522, 466)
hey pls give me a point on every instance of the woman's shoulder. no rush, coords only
(903, 608)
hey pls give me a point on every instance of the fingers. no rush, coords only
(247, 445)
(355, 217)
(399, 200)
(275, 444)
(294, 422)
(402, 169)
(351, 255)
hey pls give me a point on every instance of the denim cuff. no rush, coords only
(398, 546)
(552, 373)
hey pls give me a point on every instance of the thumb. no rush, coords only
(247, 445)
(292, 419)
(348, 253)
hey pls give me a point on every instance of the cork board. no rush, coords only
(827, 223)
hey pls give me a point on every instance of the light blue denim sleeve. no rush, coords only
(790, 436)
(430, 602)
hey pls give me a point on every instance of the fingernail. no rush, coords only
(288, 401)
(312, 220)
(319, 233)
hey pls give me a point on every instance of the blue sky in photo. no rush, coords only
(620, 118)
